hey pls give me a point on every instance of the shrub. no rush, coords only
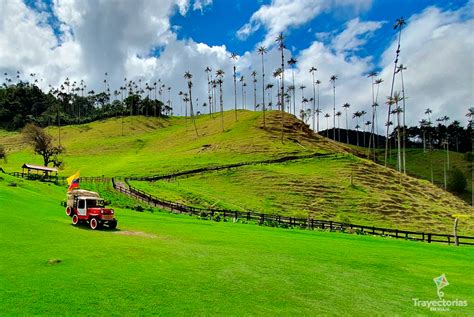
(469, 156)
(456, 180)
(139, 208)
(216, 217)
(203, 215)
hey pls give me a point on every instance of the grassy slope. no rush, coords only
(188, 266)
(418, 164)
(320, 187)
(152, 146)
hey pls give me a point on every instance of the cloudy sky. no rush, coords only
(156, 40)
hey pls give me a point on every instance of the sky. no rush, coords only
(159, 40)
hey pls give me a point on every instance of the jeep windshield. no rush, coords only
(91, 203)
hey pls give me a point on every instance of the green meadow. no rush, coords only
(167, 264)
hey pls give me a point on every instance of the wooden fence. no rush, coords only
(309, 223)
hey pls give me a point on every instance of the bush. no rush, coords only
(139, 208)
(203, 215)
(469, 156)
(216, 217)
(456, 180)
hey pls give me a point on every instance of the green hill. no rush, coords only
(318, 187)
(160, 263)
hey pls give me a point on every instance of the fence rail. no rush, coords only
(309, 223)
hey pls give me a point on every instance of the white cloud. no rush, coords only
(281, 15)
(117, 38)
(355, 35)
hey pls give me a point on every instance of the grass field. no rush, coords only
(319, 188)
(419, 165)
(152, 146)
(160, 263)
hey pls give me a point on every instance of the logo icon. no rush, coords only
(440, 282)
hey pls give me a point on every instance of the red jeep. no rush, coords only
(87, 207)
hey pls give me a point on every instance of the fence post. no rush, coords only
(330, 225)
(429, 237)
(236, 216)
(449, 240)
(312, 224)
(422, 236)
(248, 216)
(396, 233)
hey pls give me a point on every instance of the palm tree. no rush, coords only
(254, 75)
(281, 45)
(371, 137)
(302, 87)
(189, 76)
(292, 63)
(398, 25)
(333, 81)
(234, 57)
(208, 70)
(327, 115)
(242, 82)
(318, 82)
(338, 115)
(357, 115)
(362, 114)
(262, 51)
(400, 70)
(346, 107)
(313, 70)
(220, 80)
(269, 87)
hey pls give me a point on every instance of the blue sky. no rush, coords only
(218, 24)
(155, 40)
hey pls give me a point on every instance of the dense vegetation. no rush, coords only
(24, 103)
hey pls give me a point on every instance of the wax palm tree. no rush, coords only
(262, 51)
(338, 115)
(357, 115)
(333, 81)
(220, 80)
(372, 130)
(254, 75)
(292, 63)
(423, 126)
(313, 70)
(234, 57)
(270, 87)
(318, 82)
(400, 70)
(208, 70)
(445, 120)
(327, 116)
(302, 87)
(398, 26)
(242, 82)
(346, 107)
(189, 76)
(362, 114)
(281, 45)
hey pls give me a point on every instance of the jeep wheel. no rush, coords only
(69, 211)
(94, 224)
(75, 220)
(112, 224)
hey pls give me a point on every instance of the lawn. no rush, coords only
(160, 263)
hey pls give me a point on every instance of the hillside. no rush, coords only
(318, 187)
(150, 145)
(180, 265)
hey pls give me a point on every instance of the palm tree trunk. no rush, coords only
(391, 92)
(263, 91)
(222, 106)
(235, 95)
(404, 129)
(314, 103)
(399, 158)
(347, 129)
(334, 112)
